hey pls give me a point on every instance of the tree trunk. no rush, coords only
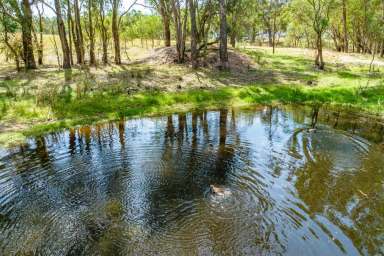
(233, 39)
(40, 43)
(166, 23)
(320, 50)
(334, 36)
(345, 31)
(26, 28)
(17, 62)
(105, 46)
(55, 48)
(104, 35)
(62, 35)
(12, 49)
(194, 51)
(180, 28)
(253, 35)
(79, 45)
(115, 31)
(382, 49)
(274, 32)
(223, 36)
(270, 43)
(371, 66)
(70, 30)
(319, 62)
(92, 58)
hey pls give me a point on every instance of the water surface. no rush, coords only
(141, 186)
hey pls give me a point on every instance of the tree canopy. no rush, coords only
(85, 27)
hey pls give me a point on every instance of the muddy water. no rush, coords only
(142, 186)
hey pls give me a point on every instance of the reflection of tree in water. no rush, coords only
(315, 115)
(351, 199)
(270, 118)
(193, 162)
(122, 134)
(102, 180)
(38, 191)
(94, 184)
(365, 126)
(189, 169)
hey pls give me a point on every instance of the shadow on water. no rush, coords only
(301, 181)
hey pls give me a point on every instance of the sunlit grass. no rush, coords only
(107, 106)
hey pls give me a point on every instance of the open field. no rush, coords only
(42, 100)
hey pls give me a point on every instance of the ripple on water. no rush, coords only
(143, 187)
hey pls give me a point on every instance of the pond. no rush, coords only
(301, 181)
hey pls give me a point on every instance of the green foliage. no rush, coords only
(140, 26)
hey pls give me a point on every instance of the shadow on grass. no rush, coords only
(348, 75)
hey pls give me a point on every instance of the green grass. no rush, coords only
(108, 106)
(347, 86)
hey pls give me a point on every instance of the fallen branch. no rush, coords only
(203, 45)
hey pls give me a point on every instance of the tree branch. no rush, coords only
(124, 13)
(49, 6)
(146, 6)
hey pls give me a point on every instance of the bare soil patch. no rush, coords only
(237, 61)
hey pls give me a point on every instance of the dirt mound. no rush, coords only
(237, 61)
(163, 55)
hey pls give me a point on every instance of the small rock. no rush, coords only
(220, 191)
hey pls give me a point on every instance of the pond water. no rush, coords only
(142, 186)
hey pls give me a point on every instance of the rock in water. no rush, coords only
(220, 191)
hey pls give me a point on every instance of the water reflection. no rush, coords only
(142, 186)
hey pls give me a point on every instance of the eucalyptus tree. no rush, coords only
(345, 29)
(70, 29)
(20, 12)
(367, 24)
(116, 22)
(57, 9)
(62, 35)
(164, 8)
(237, 14)
(165, 11)
(103, 7)
(180, 18)
(40, 43)
(91, 31)
(12, 45)
(319, 15)
(143, 27)
(78, 35)
(315, 14)
(265, 9)
(206, 21)
(153, 27)
(223, 51)
(194, 52)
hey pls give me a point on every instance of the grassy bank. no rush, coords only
(108, 106)
(278, 78)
